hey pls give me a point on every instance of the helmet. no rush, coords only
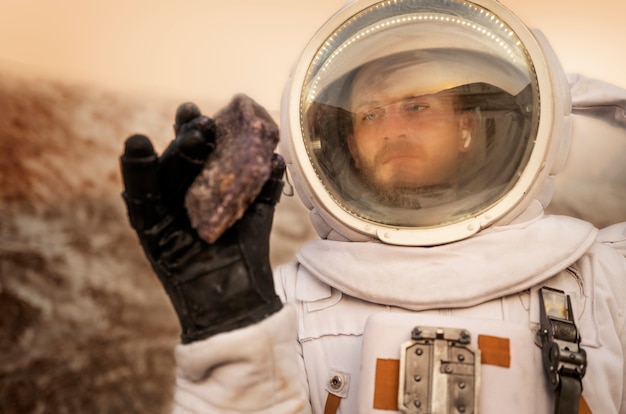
(421, 122)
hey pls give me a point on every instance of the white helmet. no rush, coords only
(469, 75)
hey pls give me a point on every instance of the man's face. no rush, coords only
(405, 141)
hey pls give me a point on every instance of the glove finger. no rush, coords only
(139, 165)
(185, 113)
(272, 189)
(183, 160)
(201, 123)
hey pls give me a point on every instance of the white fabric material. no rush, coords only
(387, 274)
(593, 183)
(332, 323)
(615, 236)
(598, 98)
(248, 370)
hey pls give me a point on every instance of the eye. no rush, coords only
(371, 115)
(412, 105)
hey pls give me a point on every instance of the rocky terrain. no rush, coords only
(84, 325)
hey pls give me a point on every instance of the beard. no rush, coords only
(402, 195)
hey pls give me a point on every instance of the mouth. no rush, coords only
(399, 153)
(398, 157)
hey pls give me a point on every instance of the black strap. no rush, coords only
(564, 361)
(568, 395)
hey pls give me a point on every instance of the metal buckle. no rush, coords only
(559, 338)
(439, 372)
(564, 361)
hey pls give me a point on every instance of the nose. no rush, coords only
(396, 124)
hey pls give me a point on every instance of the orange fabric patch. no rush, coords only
(495, 350)
(386, 384)
(332, 403)
(583, 408)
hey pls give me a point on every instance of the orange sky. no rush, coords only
(194, 49)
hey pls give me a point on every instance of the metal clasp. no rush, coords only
(559, 338)
(439, 372)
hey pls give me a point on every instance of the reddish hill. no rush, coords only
(84, 324)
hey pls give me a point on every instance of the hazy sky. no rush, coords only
(209, 50)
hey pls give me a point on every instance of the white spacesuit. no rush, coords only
(424, 137)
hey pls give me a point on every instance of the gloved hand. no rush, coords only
(214, 287)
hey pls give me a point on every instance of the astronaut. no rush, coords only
(424, 137)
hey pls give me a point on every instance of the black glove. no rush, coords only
(214, 287)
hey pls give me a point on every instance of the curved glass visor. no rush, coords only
(419, 113)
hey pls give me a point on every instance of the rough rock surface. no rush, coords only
(235, 172)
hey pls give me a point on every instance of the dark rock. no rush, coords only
(235, 172)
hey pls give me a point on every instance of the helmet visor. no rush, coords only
(419, 113)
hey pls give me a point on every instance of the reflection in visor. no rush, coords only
(421, 120)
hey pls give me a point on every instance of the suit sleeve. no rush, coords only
(256, 369)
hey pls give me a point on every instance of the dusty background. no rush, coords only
(84, 326)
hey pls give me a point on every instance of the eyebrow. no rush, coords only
(366, 105)
(375, 104)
